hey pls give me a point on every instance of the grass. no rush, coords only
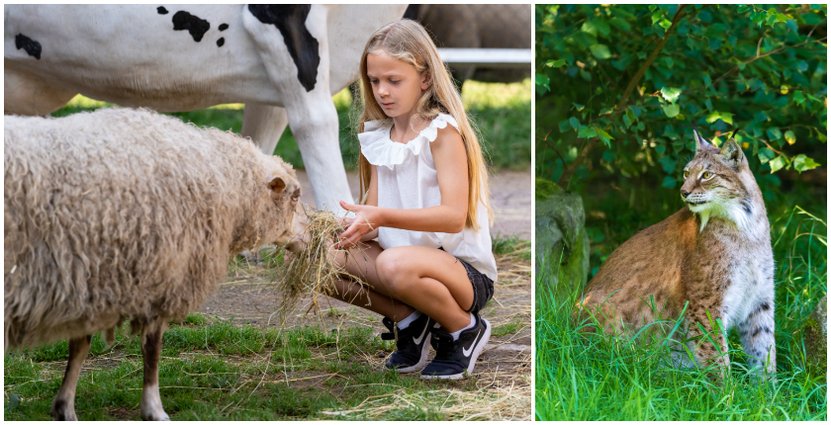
(214, 369)
(592, 376)
(502, 113)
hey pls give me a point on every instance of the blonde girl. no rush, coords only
(421, 236)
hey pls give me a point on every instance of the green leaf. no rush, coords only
(671, 110)
(586, 132)
(798, 97)
(669, 182)
(543, 84)
(555, 63)
(774, 133)
(575, 123)
(605, 137)
(714, 116)
(777, 164)
(765, 155)
(790, 137)
(803, 163)
(564, 126)
(670, 94)
(600, 51)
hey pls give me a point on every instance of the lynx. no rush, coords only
(713, 254)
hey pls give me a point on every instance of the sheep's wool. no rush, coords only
(124, 214)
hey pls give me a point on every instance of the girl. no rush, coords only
(421, 237)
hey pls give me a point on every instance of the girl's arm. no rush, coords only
(450, 216)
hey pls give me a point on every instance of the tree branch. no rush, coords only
(651, 58)
(568, 172)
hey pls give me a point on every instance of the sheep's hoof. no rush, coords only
(61, 411)
(155, 416)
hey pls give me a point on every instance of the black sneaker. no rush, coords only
(455, 358)
(411, 346)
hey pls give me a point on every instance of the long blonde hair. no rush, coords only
(409, 42)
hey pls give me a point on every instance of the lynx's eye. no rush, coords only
(686, 174)
(707, 175)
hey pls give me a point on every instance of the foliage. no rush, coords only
(620, 86)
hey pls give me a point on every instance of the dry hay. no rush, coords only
(313, 270)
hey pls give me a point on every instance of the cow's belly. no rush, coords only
(133, 56)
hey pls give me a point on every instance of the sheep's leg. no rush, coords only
(63, 408)
(151, 349)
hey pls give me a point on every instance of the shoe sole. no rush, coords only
(473, 357)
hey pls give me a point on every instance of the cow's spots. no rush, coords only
(220, 42)
(196, 26)
(303, 47)
(31, 47)
(162, 10)
(223, 27)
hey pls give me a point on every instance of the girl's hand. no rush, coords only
(366, 220)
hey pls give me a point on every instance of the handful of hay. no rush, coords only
(313, 270)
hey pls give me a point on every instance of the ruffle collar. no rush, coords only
(379, 149)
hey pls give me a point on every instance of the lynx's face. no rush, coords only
(713, 183)
(709, 183)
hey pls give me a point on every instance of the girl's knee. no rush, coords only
(394, 268)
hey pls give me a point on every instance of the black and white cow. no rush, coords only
(283, 61)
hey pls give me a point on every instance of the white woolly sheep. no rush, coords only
(124, 214)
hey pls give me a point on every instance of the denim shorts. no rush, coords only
(482, 287)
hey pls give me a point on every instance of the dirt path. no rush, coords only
(249, 297)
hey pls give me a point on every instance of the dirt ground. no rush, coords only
(249, 297)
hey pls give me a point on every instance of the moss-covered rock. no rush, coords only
(562, 244)
(816, 337)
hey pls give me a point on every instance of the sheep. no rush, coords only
(127, 215)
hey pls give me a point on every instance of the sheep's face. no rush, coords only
(285, 196)
(286, 216)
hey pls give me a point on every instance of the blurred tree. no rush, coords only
(620, 87)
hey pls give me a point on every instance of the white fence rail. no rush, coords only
(491, 58)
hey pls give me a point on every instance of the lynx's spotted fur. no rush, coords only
(714, 254)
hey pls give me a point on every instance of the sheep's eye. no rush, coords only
(707, 175)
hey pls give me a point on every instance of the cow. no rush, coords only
(282, 61)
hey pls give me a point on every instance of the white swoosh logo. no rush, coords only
(468, 350)
(420, 338)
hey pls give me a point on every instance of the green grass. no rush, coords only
(592, 376)
(501, 112)
(212, 370)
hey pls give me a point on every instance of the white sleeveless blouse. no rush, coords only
(407, 179)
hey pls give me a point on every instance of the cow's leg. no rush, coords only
(63, 408)
(314, 124)
(293, 42)
(28, 94)
(151, 349)
(264, 124)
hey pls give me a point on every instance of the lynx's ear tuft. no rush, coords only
(701, 144)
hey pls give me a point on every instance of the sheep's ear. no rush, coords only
(277, 185)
